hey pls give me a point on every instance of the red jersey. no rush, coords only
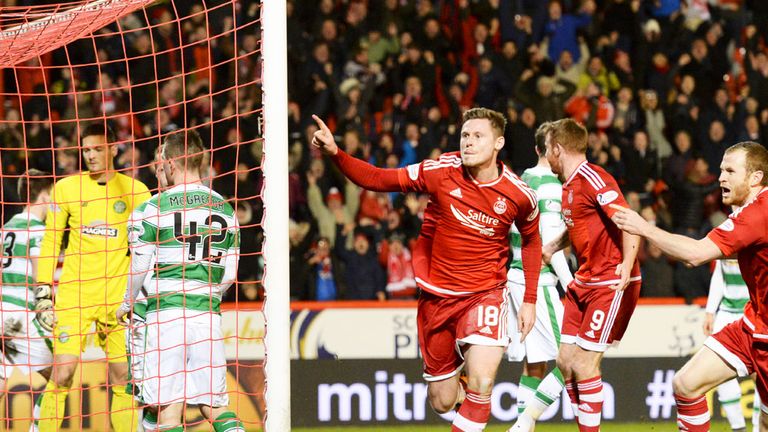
(596, 240)
(463, 247)
(745, 233)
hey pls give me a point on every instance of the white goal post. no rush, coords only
(277, 366)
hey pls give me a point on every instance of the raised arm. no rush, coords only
(690, 251)
(360, 172)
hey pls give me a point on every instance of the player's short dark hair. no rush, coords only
(185, 147)
(570, 134)
(98, 129)
(541, 137)
(498, 122)
(756, 158)
(32, 183)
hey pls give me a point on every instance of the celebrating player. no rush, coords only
(542, 344)
(728, 294)
(740, 347)
(184, 361)
(460, 258)
(600, 300)
(93, 208)
(25, 343)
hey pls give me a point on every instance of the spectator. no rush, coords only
(549, 97)
(561, 28)
(396, 258)
(640, 162)
(363, 274)
(323, 273)
(658, 274)
(334, 210)
(591, 108)
(300, 237)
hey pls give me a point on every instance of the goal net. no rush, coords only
(145, 69)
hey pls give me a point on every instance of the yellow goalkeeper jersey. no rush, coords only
(96, 258)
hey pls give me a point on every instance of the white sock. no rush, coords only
(548, 391)
(729, 395)
(756, 412)
(525, 391)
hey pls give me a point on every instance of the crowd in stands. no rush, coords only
(664, 86)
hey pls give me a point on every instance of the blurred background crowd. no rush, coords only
(664, 87)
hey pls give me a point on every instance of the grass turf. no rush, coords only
(669, 426)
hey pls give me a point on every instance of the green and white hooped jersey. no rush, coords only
(549, 192)
(735, 291)
(193, 233)
(21, 237)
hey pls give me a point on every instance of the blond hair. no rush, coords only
(756, 158)
(570, 134)
(498, 122)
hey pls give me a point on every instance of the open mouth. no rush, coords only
(725, 190)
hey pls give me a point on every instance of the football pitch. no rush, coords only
(669, 426)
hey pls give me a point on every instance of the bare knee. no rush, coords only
(480, 384)
(118, 373)
(536, 370)
(63, 373)
(443, 397)
(763, 421)
(682, 385)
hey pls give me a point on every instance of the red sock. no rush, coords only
(570, 388)
(590, 404)
(473, 414)
(692, 414)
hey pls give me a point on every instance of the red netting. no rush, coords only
(146, 69)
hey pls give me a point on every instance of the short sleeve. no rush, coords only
(737, 232)
(605, 191)
(142, 233)
(36, 234)
(425, 176)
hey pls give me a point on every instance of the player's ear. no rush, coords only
(499, 144)
(756, 178)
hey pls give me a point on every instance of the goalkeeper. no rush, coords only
(93, 208)
(24, 343)
(192, 233)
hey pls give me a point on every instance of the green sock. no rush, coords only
(525, 391)
(228, 422)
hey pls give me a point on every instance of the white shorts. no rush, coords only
(543, 341)
(30, 347)
(184, 360)
(723, 318)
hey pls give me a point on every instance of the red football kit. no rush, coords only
(461, 255)
(744, 343)
(595, 316)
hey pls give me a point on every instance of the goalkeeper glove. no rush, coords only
(44, 314)
(12, 329)
(42, 291)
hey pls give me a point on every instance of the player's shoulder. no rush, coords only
(446, 161)
(151, 203)
(137, 186)
(756, 208)
(72, 181)
(591, 177)
(221, 203)
(516, 185)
